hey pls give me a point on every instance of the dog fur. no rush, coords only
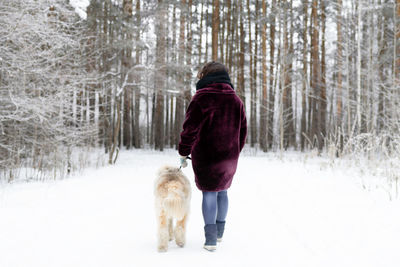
(172, 200)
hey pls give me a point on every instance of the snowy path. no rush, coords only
(282, 213)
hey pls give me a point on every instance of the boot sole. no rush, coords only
(210, 248)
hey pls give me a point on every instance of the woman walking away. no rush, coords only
(214, 133)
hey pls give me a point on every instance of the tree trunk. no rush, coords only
(253, 129)
(397, 38)
(236, 43)
(292, 110)
(126, 69)
(221, 34)
(382, 42)
(181, 83)
(215, 30)
(339, 58)
(303, 124)
(322, 101)
(240, 84)
(271, 71)
(287, 83)
(136, 129)
(315, 80)
(228, 39)
(160, 76)
(286, 99)
(200, 45)
(264, 100)
(206, 26)
(174, 77)
(359, 67)
(188, 74)
(232, 39)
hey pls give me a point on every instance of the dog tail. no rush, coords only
(173, 203)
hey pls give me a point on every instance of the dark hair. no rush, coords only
(211, 67)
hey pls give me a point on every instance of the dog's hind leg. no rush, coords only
(180, 231)
(171, 229)
(162, 232)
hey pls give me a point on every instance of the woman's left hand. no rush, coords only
(183, 161)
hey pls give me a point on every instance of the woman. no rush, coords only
(214, 133)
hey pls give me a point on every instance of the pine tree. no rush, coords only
(215, 29)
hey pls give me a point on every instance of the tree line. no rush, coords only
(308, 71)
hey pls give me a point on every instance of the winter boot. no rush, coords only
(220, 230)
(210, 231)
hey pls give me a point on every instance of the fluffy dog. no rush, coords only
(172, 196)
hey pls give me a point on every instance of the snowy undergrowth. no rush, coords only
(375, 172)
(373, 159)
(59, 164)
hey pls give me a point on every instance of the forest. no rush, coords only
(119, 74)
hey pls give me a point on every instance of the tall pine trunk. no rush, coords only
(303, 124)
(339, 79)
(160, 75)
(179, 109)
(253, 92)
(136, 128)
(240, 84)
(264, 100)
(271, 103)
(188, 73)
(127, 73)
(215, 29)
(322, 96)
(315, 78)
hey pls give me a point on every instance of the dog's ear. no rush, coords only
(168, 169)
(174, 169)
(161, 171)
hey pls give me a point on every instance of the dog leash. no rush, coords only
(180, 167)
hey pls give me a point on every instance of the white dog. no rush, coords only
(172, 194)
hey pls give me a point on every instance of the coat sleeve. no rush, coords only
(191, 127)
(243, 128)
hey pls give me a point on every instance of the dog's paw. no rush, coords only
(180, 243)
(162, 248)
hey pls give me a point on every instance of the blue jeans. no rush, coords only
(215, 206)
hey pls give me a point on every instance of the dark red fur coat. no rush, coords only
(214, 133)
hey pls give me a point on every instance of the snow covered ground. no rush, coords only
(290, 212)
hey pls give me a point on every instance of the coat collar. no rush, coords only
(215, 77)
(223, 88)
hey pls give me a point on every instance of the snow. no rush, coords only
(293, 211)
(80, 7)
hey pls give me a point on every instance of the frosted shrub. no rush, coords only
(42, 74)
(376, 155)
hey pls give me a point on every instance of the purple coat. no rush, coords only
(214, 133)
